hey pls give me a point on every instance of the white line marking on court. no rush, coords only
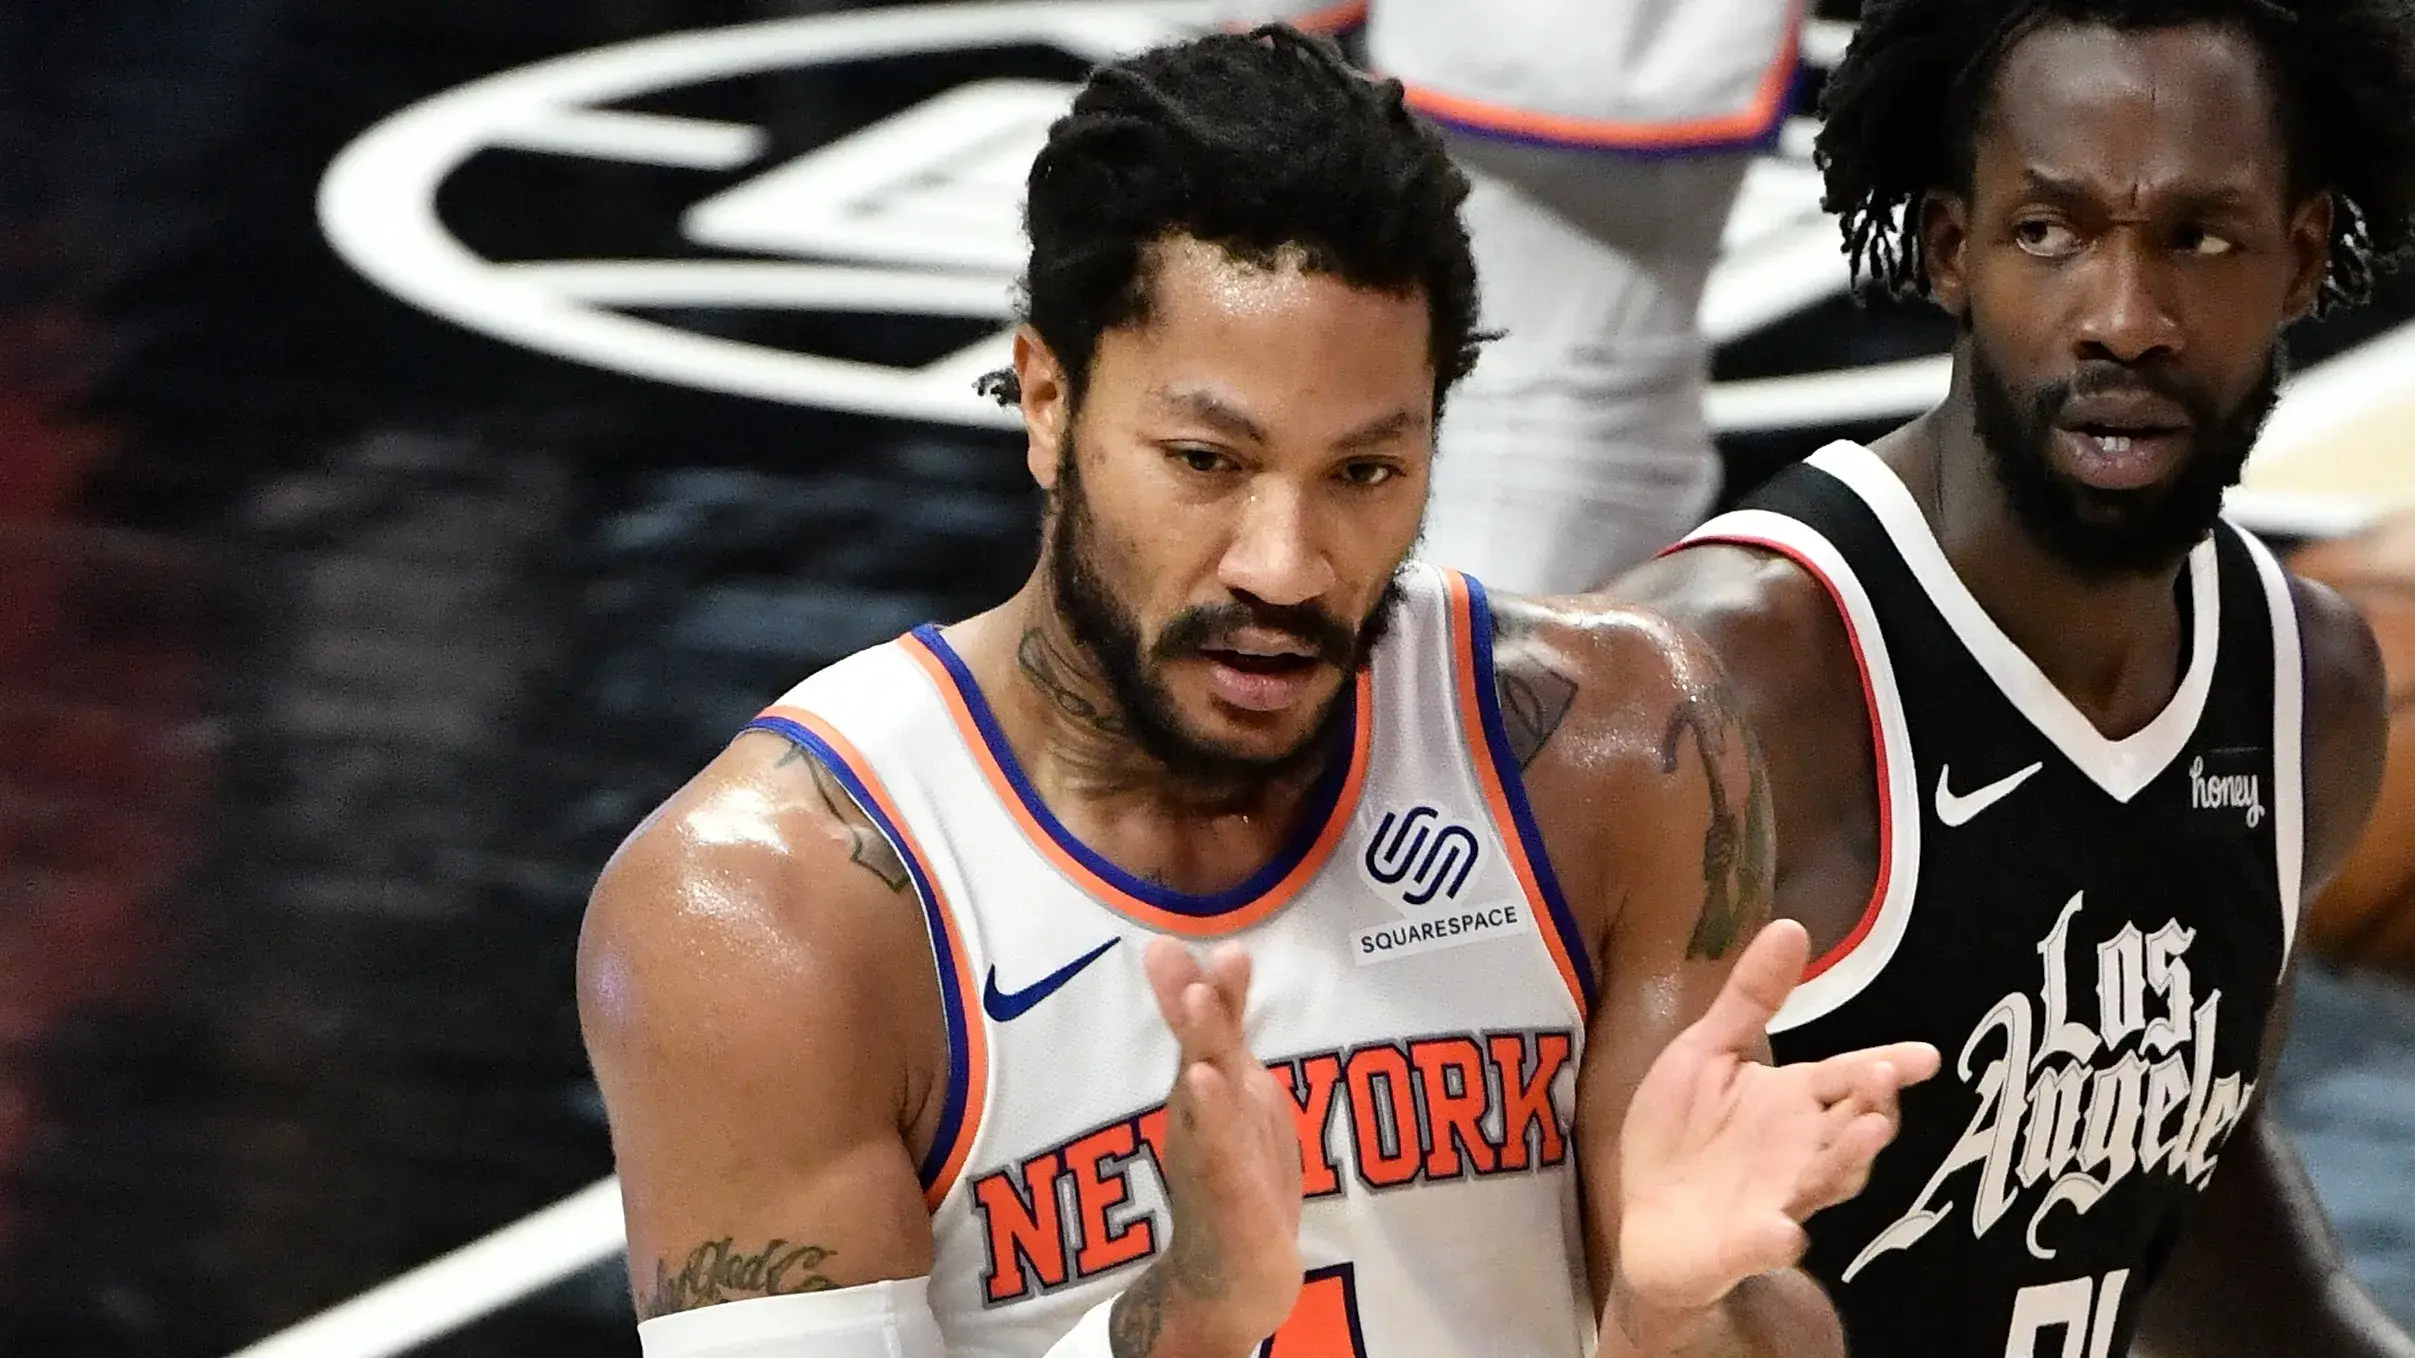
(472, 1282)
(640, 138)
(766, 285)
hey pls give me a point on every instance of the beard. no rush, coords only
(1109, 632)
(2106, 534)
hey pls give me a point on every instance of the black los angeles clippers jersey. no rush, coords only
(2091, 932)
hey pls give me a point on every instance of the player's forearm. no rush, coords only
(1159, 1317)
(2259, 1272)
(1764, 1316)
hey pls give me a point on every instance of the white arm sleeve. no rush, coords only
(875, 1320)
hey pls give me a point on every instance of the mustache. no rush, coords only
(1199, 629)
(2104, 378)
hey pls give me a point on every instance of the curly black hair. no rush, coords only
(1902, 110)
(1259, 143)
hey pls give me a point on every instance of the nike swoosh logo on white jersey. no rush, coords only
(1007, 1006)
(1955, 810)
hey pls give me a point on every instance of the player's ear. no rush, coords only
(1047, 401)
(1944, 225)
(2310, 253)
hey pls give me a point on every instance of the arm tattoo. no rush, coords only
(1194, 1262)
(1534, 698)
(1137, 1317)
(1735, 858)
(715, 1274)
(1048, 670)
(867, 848)
(1534, 701)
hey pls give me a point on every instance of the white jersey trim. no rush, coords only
(2123, 767)
(1849, 968)
(2288, 737)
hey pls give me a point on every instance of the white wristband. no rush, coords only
(875, 1320)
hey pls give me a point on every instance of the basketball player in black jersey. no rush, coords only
(2057, 755)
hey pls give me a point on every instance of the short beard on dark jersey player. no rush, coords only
(2105, 534)
(1106, 629)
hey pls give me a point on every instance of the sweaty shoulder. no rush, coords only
(1791, 663)
(762, 861)
(1588, 683)
(1632, 745)
(759, 1004)
(1768, 619)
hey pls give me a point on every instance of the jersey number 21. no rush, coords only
(2069, 1307)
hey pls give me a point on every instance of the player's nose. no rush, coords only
(1275, 554)
(2126, 312)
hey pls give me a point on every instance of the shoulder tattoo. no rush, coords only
(1534, 697)
(1194, 1262)
(1736, 844)
(867, 847)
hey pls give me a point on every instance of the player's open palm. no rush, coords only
(1232, 1152)
(1723, 1156)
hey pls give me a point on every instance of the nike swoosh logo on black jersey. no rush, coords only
(1955, 810)
(1006, 1006)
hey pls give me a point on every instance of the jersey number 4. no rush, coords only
(2065, 1309)
(1324, 1322)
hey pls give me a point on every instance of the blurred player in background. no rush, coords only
(885, 1003)
(1605, 141)
(2059, 756)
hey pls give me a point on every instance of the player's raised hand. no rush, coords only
(1231, 1273)
(1724, 1157)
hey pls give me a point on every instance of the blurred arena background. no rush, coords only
(376, 546)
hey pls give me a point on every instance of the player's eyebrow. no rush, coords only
(1382, 430)
(1209, 408)
(1230, 420)
(2234, 192)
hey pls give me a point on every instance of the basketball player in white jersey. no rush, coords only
(892, 1007)
(1606, 141)
(2058, 755)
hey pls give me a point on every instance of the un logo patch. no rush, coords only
(1419, 856)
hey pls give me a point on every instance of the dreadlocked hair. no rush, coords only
(1901, 112)
(1268, 145)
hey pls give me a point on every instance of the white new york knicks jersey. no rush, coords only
(1418, 984)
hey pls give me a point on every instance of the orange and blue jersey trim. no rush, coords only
(968, 1048)
(1504, 786)
(1323, 823)
(1755, 127)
